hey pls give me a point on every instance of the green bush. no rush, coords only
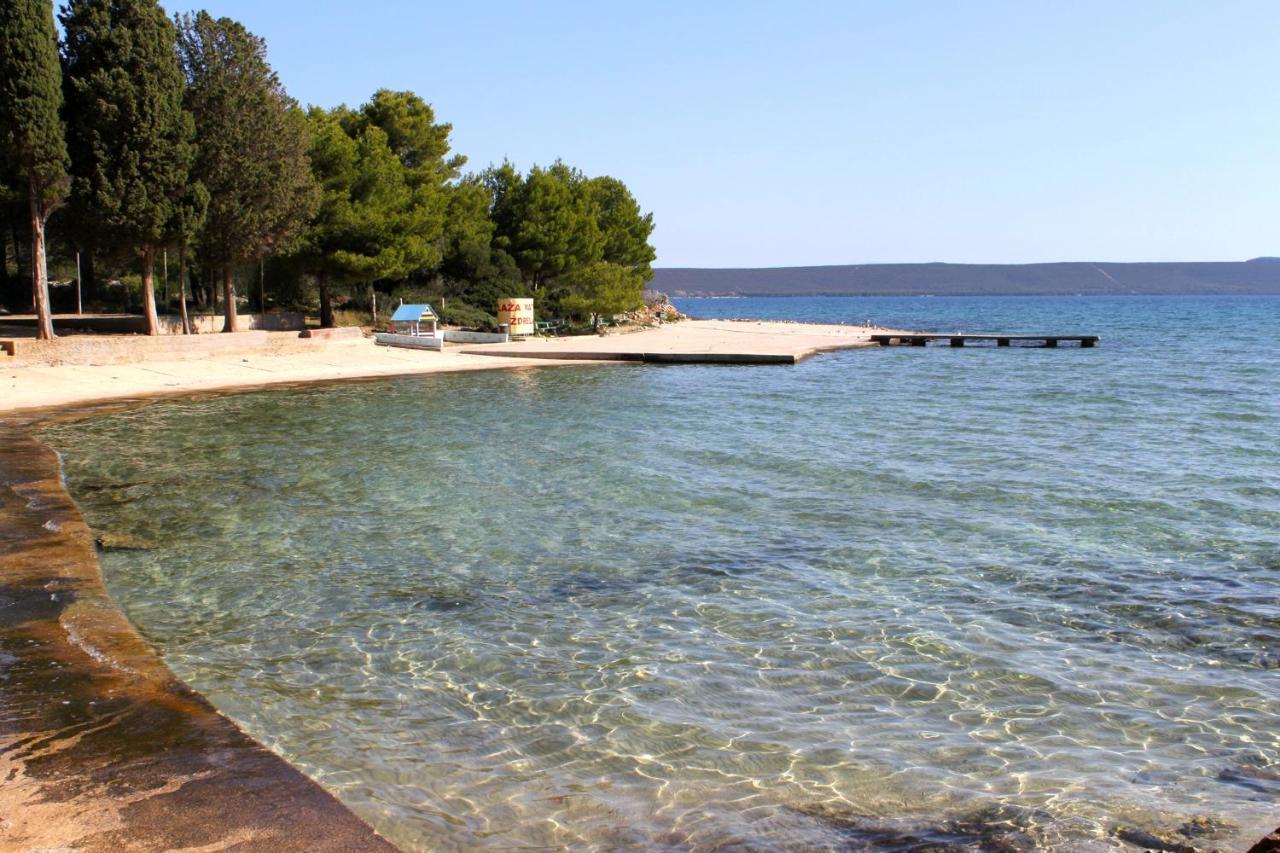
(452, 310)
(457, 313)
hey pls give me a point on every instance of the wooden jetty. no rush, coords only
(959, 339)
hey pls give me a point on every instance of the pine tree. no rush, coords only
(252, 147)
(546, 221)
(378, 218)
(31, 133)
(601, 289)
(626, 230)
(131, 141)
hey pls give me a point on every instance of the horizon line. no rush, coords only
(1257, 258)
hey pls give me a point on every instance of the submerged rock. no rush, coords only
(1264, 781)
(997, 828)
(1151, 841)
(112, 541)
(1201, 825)
(1270, 844)
(1178, 841)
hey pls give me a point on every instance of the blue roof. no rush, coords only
(412, 313)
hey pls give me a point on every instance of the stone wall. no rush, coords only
(170, 324)
(126, 349)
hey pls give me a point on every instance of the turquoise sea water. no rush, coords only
(995, 599)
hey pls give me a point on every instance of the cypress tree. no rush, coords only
(12, 204)
(31, 132)
(131, 141)
(253, 143)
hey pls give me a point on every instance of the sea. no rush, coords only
(894, 598)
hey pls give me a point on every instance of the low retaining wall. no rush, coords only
(338, 333)
(126, 349)
(101, 746)
(170, 324)
(272, 321)
(390, 339)
(463, 337)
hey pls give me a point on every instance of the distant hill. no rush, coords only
(1260, 275)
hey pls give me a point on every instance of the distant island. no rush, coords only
(1257, 276)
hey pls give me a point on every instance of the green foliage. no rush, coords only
(31, 132)
(601, 290)
(202, 147)
(412, 134)
(452, 311)
(546, 221)
(189, 214)
(468, 231)
(626, 230)
(379, 217)
(457, 313)
(558, 224)
(253, 142)
(372, 223)
(131, 140)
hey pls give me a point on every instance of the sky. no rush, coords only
(806, 133)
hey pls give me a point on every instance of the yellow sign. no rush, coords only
(517, 314)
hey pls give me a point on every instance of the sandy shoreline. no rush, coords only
(282, 359)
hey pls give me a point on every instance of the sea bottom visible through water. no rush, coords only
(986, 599)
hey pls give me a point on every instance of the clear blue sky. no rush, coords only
(785, 133)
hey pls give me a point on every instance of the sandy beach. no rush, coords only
(86, 369)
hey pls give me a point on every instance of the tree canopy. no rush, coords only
(376, 220)
(253, 143)
(31, 132)
(181, 136)
(131, 143)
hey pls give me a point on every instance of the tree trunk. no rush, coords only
(88, 278)
(39, 268)
(232, 323)
(149, 291)
(17, 260)
(89, 283)
(373, 305)
(6, 285)
(13, 287)
(182, 289)
(326, 304)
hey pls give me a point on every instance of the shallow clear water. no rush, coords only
(1003, 597)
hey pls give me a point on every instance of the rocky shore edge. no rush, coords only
(102, 747)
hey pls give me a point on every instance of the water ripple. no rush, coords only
(989, 600)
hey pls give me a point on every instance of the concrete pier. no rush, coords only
(958, 339)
